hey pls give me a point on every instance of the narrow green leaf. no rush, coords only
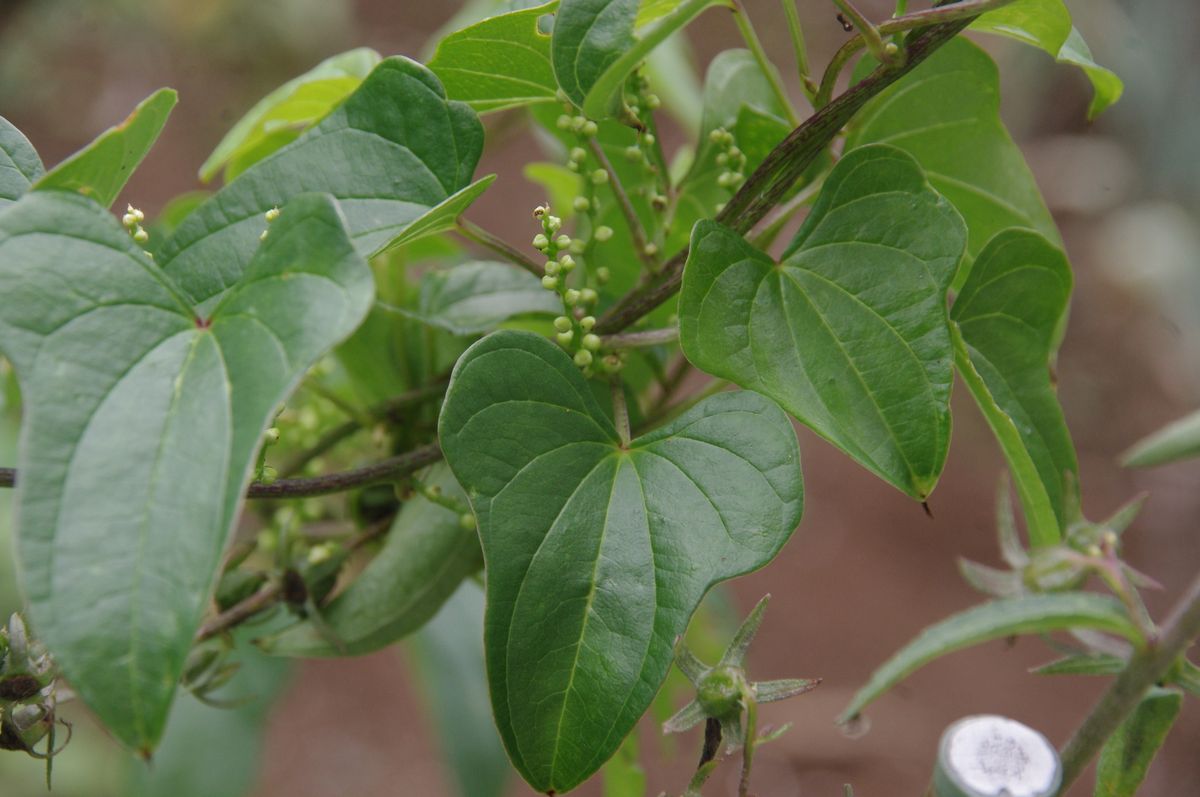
(289, 110)
(1006, 328)
(101, 169)
(20, 165)
(500, 62)
(597, 555)
(1046, 24)
(1128, 753)
(946, 114)
(1083, 664)
(1033, 614)
(425, 557)
(1175, 441)
(448, 653)
(141, 424)
(849, 331)
(392, 153)
(442, 217)
(478, 297)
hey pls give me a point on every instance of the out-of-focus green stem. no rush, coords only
(760, 56)
(800, 48)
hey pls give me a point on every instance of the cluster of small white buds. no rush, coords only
(132, 220)
(730, 158)
(270, 215)
(577, 124)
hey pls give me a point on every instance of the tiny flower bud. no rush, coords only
(717, 136)
(649, 139)
(540, 241)
(272, 214)
(553, 223)
(562, 241)
(603, 275)
(578, 245)
(603, 233)
(722, 159)
(725, 179)
(141, 236)
(650, 249)
(562, 323)
(271, 436)
(466, 521)
(659, 202)
(591, 342)
(588, 296)
(890, 49)
(129, 220)
(590, 128)
(552, 268)
(583, 358)
(571, 297)
(269, 475)
(578, 154)
(539, 211)
(567, 262)
(633, 153)
(578, 122)
(263, 237)
(599, 177)
(652, 101)
(581, 204)
(563, 122)
(734, 152)
(587, 323)
(550, 282)
(565, 338)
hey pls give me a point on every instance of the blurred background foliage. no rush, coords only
(1125, 190)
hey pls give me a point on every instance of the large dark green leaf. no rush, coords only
(946, 114)
(1031, 614)
(849, 331)
(598, 554)
(1046, 24)
(20, 165)
(426, 556)
(1007, 322)
(281, 116)
(101, 169)
(395, 152)
(500, 62)
(1128, 753)
(142, 418)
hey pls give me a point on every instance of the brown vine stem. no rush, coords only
(1146, 667)
(771, 181)
(385, 470)
(968, 9)
(473, 232)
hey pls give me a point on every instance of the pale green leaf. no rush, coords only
(142, 419)
(500, 62)
(1006, 323)
(425, 557)
(448, 654)
(1083, 664)
(1046, 24)
(478, 297)
(597, 555)
(288, 110)
(101, 169)
(1128, 753)
(1033, 614)
(1175, 441)
(393, 153)
(849, 331)
(20, 165)
(946, 114)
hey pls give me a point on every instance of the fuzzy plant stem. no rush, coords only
(1146, 668)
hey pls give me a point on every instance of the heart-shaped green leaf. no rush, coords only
(281, 116)
(597, 555)
(1008, 321)
(142, 418)
(849, 331)
(500, 62)
(392, 153)
(20, 165)
(101, 169)
(946, 114)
